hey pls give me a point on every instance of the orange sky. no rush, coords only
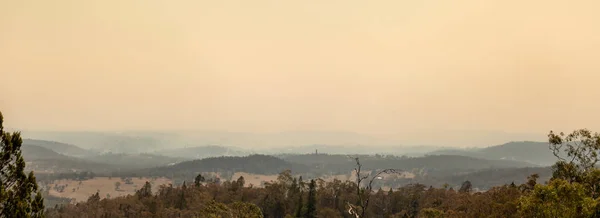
(269, 65)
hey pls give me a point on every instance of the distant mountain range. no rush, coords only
(198, 145)
(136, 142)
(149, 152)
(278, 142)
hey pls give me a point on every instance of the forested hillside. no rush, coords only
(259, 164)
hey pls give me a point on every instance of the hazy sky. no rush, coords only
(373, 67)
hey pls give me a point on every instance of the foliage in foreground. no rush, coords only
(574, 190)
(19, 195)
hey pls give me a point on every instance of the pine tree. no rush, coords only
(311, 206)
(145, 191)
(300, 205)
(94, 199)
(199, 180)
(466, 187)
(241, 182)
(301, 183)
(19, 195)
(182, 202)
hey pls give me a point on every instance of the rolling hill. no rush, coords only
(42, 159)
(526, 151)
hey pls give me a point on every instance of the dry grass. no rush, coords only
(254, 179)
(82, 191)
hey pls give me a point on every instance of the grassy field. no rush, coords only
(82, 190)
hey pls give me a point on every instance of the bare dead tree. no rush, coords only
(363, 199)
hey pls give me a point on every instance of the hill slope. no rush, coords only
(61, 148)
